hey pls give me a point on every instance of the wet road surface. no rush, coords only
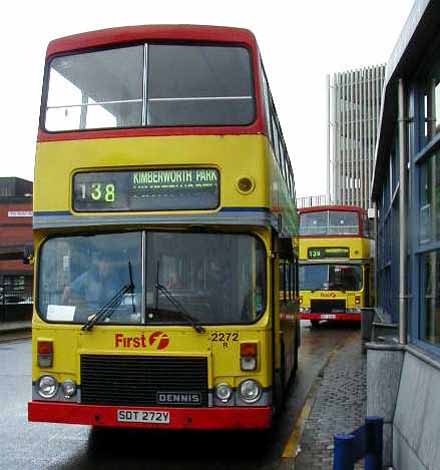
(34, 446)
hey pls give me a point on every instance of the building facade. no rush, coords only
(15, 234)
(354, 101)
(406, 191)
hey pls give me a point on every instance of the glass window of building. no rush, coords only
(15, 289)
(431, 100)
(430, 305)
(430, 199)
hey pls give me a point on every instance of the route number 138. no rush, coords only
(98, 192)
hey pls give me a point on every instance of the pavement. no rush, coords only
(10, 328)
(335, 404)
(339, 398)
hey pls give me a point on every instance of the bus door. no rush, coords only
(288, 317)
(367, 290)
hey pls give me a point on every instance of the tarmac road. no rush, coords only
(34, 446)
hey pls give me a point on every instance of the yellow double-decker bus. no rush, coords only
(335, 263)
(163, 209)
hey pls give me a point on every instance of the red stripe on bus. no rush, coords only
(181, 418)
(334, 316)
(256, 128)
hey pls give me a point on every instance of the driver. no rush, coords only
(96, 285)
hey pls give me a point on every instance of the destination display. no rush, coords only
(328, 252)
(146, 190)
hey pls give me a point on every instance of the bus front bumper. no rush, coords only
(331, 316)
(217, 418)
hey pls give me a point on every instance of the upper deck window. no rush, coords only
(96, 90)
(343, 223)
(199, 85)
(150, 85)
(313, 223)
(326, 223)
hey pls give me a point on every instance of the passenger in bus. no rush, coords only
(174, 281)
(219, 285)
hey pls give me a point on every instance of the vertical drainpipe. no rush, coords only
(402, 214)
(432, 126)
(329, 124)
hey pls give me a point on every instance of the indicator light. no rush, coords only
(45, 353)
(248, 356)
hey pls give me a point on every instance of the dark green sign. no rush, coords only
(146, 190)
(328, 252)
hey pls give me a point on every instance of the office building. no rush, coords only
(353, 104)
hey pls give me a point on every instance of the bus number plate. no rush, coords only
(136, 416)
(328, 316)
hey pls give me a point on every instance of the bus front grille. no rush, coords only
(144, 380)
(327, 306)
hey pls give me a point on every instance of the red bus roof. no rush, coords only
(136, 34)
(357, 209)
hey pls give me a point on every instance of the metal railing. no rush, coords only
(15, 303)
(311, 201)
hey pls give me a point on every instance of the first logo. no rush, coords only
(159, 340)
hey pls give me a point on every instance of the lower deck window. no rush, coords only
(430, 297)
(339, 277)
(215, 278)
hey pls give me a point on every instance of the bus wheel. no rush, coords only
(99, 438)
(315, 323)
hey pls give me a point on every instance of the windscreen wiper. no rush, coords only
(339, 287)
(180, 308)
(107, 310)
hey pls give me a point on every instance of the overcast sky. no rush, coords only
(300, 41)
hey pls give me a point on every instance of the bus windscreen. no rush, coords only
(335, 277)
(329, 223)
(215, 278)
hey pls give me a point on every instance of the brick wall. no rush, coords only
(15, 229)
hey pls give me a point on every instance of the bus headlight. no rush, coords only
(250, 391)
(47, 386)
(69, 388)
(223, 392)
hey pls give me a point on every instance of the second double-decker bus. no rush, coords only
(335, 263)
(163, 209)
